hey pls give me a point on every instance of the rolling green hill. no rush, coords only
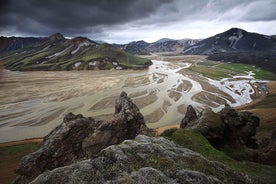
(58, 53)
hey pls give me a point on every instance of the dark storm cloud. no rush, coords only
(72, 16)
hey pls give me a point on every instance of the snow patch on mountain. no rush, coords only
(58, 53)
(43, 50)
(85, 43)
(195, 47)
(77, 64)
(92, 63)
(235, 38)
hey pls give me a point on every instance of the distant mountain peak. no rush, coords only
(80, 39)
(139, 41)
(57, 37)
(233, 29)
(164, 40)
(233, 40)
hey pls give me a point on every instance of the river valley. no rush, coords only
(34, 103)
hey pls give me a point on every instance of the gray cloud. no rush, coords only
(71, 16)
(103, 19)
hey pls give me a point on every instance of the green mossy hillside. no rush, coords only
(195, 141)
(75, 54)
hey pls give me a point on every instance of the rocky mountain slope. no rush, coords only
(58, 53)
(82, 150)
(233, 40)
(15, 43)
(162, 45)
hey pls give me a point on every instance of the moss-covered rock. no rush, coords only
(210, 125)
(145, 160)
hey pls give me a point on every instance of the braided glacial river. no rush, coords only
(34, 103)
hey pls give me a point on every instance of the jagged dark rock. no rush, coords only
(189, 116)
(125, 124)
(62, 146)
(79, 137)
(240, 127)
(226, 127)
(144, 160)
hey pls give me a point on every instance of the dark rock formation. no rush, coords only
(240, 127)
(79, 137)
(189, 116)
(211, 126)
(267, 150)
(62, 146)
(228, 127)
(125, 124)
(144, 160)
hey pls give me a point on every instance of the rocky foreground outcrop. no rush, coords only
(228, 127)
(233, 132)
(144, 160)
(83, 150)
(78, 137)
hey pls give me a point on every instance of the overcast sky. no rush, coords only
(122, 21)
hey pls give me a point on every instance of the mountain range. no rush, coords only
(163, 45)
(57, 53)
